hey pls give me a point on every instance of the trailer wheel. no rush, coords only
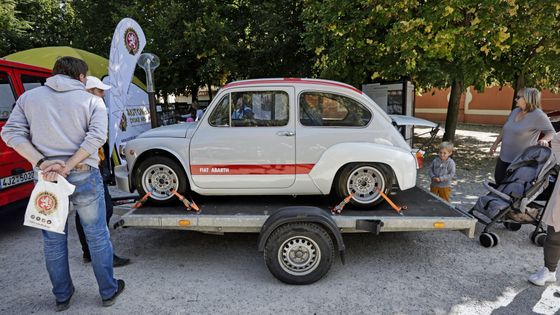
(299, 253)
(363, 179)
(160, 175)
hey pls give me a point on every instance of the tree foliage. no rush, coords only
(26, 24)
(447, 43)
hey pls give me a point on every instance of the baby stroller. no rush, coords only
(527, 185)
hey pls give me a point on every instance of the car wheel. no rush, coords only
(363, 179)
(299, 253)
(160, 175)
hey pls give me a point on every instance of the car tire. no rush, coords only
(362, 179)
(160, 175)
(299, 253)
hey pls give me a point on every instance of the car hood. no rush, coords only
(171, 131)
(403, 120)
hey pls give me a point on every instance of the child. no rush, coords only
(442, 171)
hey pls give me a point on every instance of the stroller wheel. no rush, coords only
(495, 238)
(512, 226)
(538, 238)
(487, 240)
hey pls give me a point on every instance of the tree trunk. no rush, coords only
(194, 93)
(453, 110)
(210, 91)
(518, 85)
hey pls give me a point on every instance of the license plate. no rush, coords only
(14, 180)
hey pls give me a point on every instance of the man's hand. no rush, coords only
(50, 176)
(51, 165)
(56, 167)
(543, 143)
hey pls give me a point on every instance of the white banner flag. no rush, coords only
(126, 47)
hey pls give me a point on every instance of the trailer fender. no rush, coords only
(301, 214)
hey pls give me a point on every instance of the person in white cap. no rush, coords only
(98, 88)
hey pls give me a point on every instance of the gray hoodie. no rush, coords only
(58, 119)
(445, 170)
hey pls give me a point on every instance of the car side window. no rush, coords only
(220, 114)
(331, 110)
(30, 82)
(7, 96)
(259, 109)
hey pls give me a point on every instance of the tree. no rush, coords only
(11, 28)
(524, 47)
(348, 38)
(26, 24)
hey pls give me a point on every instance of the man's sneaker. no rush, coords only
(64, 305)
(120, 261)
(110, 301)
(542, 276)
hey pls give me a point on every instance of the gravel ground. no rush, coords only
(178, 272)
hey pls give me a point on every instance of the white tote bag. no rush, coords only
(48, 205)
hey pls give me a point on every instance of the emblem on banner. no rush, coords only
(46, 203)
(131, 41)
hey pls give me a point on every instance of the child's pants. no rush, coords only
(443, 192)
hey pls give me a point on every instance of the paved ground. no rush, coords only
(176, 272)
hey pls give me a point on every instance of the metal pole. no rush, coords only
(153, 114)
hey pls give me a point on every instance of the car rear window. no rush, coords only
(331, 110)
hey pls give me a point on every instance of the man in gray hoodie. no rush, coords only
(58, 128)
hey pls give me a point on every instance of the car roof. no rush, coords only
(293, 81)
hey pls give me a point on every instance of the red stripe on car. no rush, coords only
(250, 169)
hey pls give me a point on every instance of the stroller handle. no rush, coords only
(496, 192)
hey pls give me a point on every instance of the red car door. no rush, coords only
(16, 174)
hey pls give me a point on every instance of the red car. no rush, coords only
(16, 174)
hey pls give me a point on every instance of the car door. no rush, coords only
(246, 141)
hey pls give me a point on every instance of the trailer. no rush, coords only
(299, 236)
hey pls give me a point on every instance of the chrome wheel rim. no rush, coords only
(160, 179)
(299, 255)
(364, 182)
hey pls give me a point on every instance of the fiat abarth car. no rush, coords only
(275, 137)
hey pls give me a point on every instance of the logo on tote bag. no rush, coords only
(46, 203)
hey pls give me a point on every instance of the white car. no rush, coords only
(275, 137)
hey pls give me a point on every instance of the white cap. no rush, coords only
(93, 82)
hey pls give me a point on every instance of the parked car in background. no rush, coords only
(16, 174)
(275, 137)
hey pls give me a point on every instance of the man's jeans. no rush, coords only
(89, 202)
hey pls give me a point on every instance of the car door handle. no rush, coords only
(286, 133)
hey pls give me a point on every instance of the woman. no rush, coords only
(521, 130)
(551, 218)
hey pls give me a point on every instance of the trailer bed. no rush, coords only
(247, 214)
